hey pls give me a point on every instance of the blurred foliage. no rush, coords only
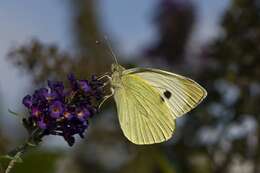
(173, 20)
(3, 140)
(3, 143)
(47, 62)
(233, 69)
(40, 162)
(224, 129)
(222, 134)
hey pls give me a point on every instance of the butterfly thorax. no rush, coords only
(117, 73)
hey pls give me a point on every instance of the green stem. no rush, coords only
(33, 140)
(13, 161)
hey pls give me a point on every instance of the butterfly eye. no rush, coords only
(167, 94)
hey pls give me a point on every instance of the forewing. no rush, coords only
(180, 93)
(143, 115)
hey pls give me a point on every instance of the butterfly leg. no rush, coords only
(104, 76)
(105, 84)
(106, 97)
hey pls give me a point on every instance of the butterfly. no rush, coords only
(150, 100)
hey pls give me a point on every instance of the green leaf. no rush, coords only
(31, 144)
(13, 113)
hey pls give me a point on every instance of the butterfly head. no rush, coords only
(117, 72)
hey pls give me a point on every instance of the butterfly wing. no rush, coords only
(180, 93)
(143, 115)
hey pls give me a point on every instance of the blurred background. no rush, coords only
(217, 43)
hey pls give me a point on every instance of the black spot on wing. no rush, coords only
(167, 94)
(162, 99)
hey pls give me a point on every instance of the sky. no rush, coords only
(20, 22)
(128, 22)
(132, 24)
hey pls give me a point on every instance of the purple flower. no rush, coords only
(82, 114)
(67, 115)
(42, 92)
(51, 96)
(38, 97)
(56, 87)
(35, 112)
(73, 81)
(70, 139)
(42, 124)
(64, 112)
(27, 101)
(56, 109)
(83, 85)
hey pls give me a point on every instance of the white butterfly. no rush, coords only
(149, 101)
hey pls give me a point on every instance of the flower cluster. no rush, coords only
(64, 112)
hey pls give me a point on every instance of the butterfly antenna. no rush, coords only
(111, 50)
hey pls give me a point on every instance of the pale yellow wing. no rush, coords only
(180, 93)
(143, 115)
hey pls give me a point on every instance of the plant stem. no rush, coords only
(12, 162)
(33, 140)
(16, 155)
